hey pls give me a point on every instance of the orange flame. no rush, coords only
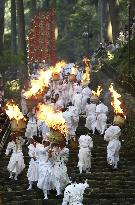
(116, 102)
(38, 85)
(98, 92)
(53, 119)
(13, 111)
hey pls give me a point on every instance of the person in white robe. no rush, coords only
(90, 116)
(65, 93)
(77, 101)
(60, 156)
(112, 135)
(101, 112)
(32, 173)
(16, 162)
(75, 118)
(32, 126)
(73, 194)
(23, 103)
(85, 146)
(86, 93)
(44, 166)
(59, 102)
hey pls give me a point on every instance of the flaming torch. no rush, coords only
(53, 120)
(95, 94)
(119, 117)
(18, 121)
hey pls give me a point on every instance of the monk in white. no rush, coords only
(86, 93)
(77, 101)
(73, 194)
(85, 145)
(101, 112)
(112, 135)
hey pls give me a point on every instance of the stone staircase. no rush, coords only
(106, 187)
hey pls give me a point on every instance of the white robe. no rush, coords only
(112, 136)
(101, 111)
(73, 194)
(44, 168)
(91, 117)
(77, 101)
(16, 162)
(32, 173)
(85, 144)
(86, 93)
(60, 176)
(31, 128)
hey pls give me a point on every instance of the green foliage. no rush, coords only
(73, 20)
(12, 89)
(8, 59)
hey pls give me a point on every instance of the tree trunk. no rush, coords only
(33, 8)
(13, 27)
(22, 40)
(2, 10)
(21, 27)
(115, 19)
(106, 21)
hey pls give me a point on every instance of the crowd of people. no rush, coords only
(48, 160)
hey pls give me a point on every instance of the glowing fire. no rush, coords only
(13, 111)
(86, 75)
(98, 92)
(38, 85)
(116, 102)
(53, 119)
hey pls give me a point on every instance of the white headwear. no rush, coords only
(113, 132)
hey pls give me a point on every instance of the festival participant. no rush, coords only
(78, 87)
(32, 173)
(59, 102)
(90, 115)
(44, 165)
(73, 194)
(101, 112)
(77, 101)
(16, 162)
(86, 93)
(23, 103)
(85, 145)
(112, 135)
(65, 93)
(32, 125)
(75, 118)
(60, 156)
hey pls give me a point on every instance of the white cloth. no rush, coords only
(90, 109)
(113, 152)
(85, 144)
(73, 194)
(31, 127)
(60, 176)
(91, 122)
(101, 111)
(77, 101)
(32, 173)
(16, 162)
(44, 167)
(86, 93)
(113, 132)
(101, 108)
(59, 104)
(112, 135)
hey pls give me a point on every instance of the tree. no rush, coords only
(33, 7)
(114, 10)
(21, 27)
(13, 27)
(2, 8)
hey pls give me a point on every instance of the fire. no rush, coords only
(98, 92)
(116, 102)
(13, 111)
(53, 119)
(38, 85)
(74, 70)
(86, 75)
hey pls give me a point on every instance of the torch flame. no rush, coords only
(98, 92)
(13, 111)
(38, 85)
(116, 102)
(53, 119)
